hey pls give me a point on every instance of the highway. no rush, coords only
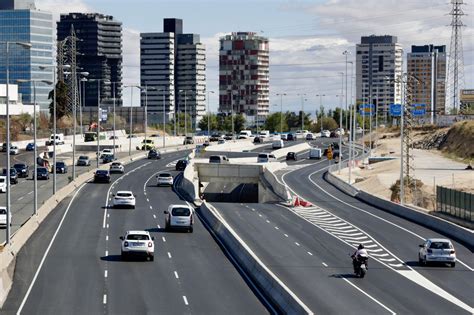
(82, 272)
(309, 250)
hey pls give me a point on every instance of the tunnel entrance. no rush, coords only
(231, 192)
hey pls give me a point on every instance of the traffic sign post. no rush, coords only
(395, 110)
(329, 155)
(366, 109)
(418, 110)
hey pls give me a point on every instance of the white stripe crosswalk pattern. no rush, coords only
(172, 164)
(347, 232)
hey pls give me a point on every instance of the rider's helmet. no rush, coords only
(360, 246)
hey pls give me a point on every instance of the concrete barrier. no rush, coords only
(234, 146)
(9, 252)
(280, 189)
(279, 295)
(295, 148)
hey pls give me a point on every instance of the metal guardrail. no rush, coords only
(456, 203)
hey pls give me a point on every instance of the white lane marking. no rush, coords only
(148, 200)
(324, 264)
(108, 215)
(176, 275)
(154, 216)
(106, 253)
(169, 255)
(369, 296)
(106, 237)
(164, 239)
(30, 193)
(185, 300)
(259, 215)
(286, 235)
(105, 274)
(267, 221)
(21, 198)
(309, 253)
(47, 251)
(158, 226)
(151, 208)
(297, 244)
(276, 228)
(104, 300)
(253, 209)
(107, 225)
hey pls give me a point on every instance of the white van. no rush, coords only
(59, 138)
(277, 144)
(3, 184)
(245, 134)
(315, 153)
(264, 134)
(179, 217)
(265, 158)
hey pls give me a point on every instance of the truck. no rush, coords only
(264, 134)
(245, 134)
(58, 138)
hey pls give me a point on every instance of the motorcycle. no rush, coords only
(360, 266)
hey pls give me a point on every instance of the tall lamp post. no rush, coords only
(7, 117)
(302, 110)
(130, 118)
(351, 127)
(321, 109)
(104, 81)
(281, 111)
(35, 150)
(164, 116)
(208, 115)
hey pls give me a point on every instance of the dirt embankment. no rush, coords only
(457, 141)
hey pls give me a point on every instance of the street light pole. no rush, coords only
(351, 128)
(98, 121)
(113, 97)
(164, 118)
(302, 110)
(208, 115)
(321, 109)
(346, 53)
(281, 111)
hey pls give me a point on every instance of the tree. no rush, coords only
(24, 120)
(203, 123)
(239, 122)
(328, 123)
(273, 122)
(62, 106)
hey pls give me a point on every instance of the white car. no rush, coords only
(107, 152)
(138, 243)
(359, 130)
(339, 132)
(117, 167)
(164, 179)
(437, 250)
(3, 184)
(179, 217)
(284, 136)
(3, 217)
(326, 134)
(124, 199)
(14, 150)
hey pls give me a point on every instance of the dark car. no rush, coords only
(61, 167)
(13, 175)
(102, 176)
(30, 146)
(153, 154)
(181, 165)
(309, 136)
(215, 137)
(291, 156)
(188, 140)
(290, 137)
(107, 158)
(228, 136)
(335, 145)
(257, 140)
(22, 169)
(42, 173)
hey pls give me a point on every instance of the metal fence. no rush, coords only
(456, 203)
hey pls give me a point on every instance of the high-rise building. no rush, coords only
(428, 64)
(20, 21)
(244, 76)
(378, 64)
(99, 48)
(173, 64)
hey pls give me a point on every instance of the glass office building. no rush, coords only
(35, 27)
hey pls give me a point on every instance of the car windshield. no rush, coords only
(83, 158)
(116, 164)
(42, 170)
(124, 195)
(181, 212)
(137, 237)
(3, 211)
(2, 180)
(19, 166)
(272, 156)
(214, 158)
(164, 175)
(101, 172)
(440, 245)
(262, 156)
(60, 164)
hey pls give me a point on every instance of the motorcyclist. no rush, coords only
(359, 255)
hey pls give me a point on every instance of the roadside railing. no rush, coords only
(456, 203)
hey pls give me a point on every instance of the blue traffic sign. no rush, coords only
(395, 110)
(366, 109)
(418, 110)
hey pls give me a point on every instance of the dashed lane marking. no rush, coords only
(176, 275)
(105, 274)
(169, 255)
(185, 300)
(104, 299)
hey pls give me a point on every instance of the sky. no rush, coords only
(307, 38)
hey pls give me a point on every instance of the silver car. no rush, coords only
(437, 250)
